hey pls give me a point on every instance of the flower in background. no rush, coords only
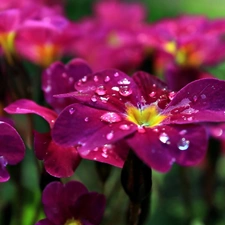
(113, 41)
(71, 204)
(43, 41)
(184, 46)
(162, 127)
(12, 148)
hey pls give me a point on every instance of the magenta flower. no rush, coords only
(160, 126)
(43, 41)
(12, 148)
(71, 203)
(59, 160)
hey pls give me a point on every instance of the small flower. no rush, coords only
(71, 204)
(12, 148)
(162, 127)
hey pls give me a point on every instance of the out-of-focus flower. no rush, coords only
(160, 126)
(43, 41)
(12, 148)
(113, 41)
(71, 204)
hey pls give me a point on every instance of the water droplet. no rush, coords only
(124, 81)
(96, 78)
(104, 155)
(115, 88)
(71, 80)
(183, 144)
(71, 110)
(172, 95)
(101, 90)
(217, 132)
(52, 121)
(190, 118)
(3, 161)
(183, 132)
(48, 88)
(163, 137)
(86, 119)
(141, 129)
(152, 94)
(107, 79)
(84, 79)
(203, 96)
(109, 136)
(195, 98)
(116, 74)
(125, 91)
(94, 98)
(78, 83)
(104, 99)
(124, 127)
(110, 117)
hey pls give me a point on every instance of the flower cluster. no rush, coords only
(104, 106)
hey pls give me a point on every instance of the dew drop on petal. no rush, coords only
(84, 79)
(203, 96)
(71, 110)
(71, 80)
(109, 136)
(116, 74)
(172, 95)
(125, 91)
(107, 79)
(104, 99)
(163, 137)
(115, 88)
(48, 88)
(152, 94)
(96, 78)
(86, 119)
(93, 98)
(183, 144)
(124, 81)
(195, 98)
(101, 90)
(141, 129)
(110, 117)
(183, 132)
(3, 161)
(124, 127)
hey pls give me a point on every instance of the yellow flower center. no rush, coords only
(185, 56)
(7, 44)
(147, 116)
(113, 40)
(73, 222)
(46, 54)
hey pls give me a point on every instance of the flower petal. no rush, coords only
(54, 206)
(60, 78)
(108, 89)
(12, 146)
(59, 161)
(82, 125)
(113, 154)
(199, 101)
(44, 222)
(159, 148)
(90, 207)
(24, 106)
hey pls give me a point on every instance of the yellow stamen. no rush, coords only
(148, 116)
(46, 54)
(113, 40)
(170, 47)
(73, 222)
(7, 44)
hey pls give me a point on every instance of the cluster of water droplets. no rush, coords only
(182, 144)
(106, 151)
